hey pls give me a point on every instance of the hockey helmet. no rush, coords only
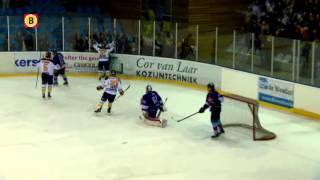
(148, 88)
(54, 51)
(113, 73)
(210, 86)
(48, 54)
(103, 46)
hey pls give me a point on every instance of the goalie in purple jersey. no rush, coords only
(214, 100)
(151, 103)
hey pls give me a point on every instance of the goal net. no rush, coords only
(241, 112)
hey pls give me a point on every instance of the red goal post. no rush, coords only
(247, 116)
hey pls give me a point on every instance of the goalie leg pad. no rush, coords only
(153, 122)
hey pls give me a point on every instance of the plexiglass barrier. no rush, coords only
(282, 58)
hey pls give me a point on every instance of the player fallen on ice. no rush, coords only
(46, 68)
(58, 60)
(110, 86)
(214, 100)
(151, 102)
(104, 51)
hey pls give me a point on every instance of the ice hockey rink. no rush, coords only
(62, 139)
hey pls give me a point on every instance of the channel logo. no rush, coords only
(263, 83)
(26, 62)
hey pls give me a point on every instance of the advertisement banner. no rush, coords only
(81, 62)
(170, 69)
(25, 62)
(276, 92)
(141, 66)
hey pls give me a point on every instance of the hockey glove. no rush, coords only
(99, 88)
(163, 109)
(201, 110)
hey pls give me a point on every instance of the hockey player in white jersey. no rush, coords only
(46, 68)
(110, 86)
(104, 58)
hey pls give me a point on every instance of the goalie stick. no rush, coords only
(187, 117)
(163, 105)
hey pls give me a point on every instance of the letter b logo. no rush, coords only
(31, 20)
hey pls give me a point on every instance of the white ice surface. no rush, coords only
(62, 139)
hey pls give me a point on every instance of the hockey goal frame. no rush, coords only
(256, 124)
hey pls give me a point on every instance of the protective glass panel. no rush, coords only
(50, 33)
(127, 36)
(317, 65)
(304, 63)
(283, 58)
(243, 51)
(225, 45)
(262, 55)
(146, 47)
(186, 41)
(207, 43)
(21, 38)
(76, 30)
(3, 33)
(165, 39)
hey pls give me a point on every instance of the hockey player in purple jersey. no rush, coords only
(213, 100)
(58, 60)
(151, 103)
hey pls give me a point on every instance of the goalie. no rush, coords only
(151, 102)
(110, 86)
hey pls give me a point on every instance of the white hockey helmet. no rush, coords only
(148, 88)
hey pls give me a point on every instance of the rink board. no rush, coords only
(169, 70)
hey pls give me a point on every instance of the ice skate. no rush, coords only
(215, 136)
(221, 131)
(98, 110)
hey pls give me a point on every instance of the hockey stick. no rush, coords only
(38, 72)
(163, 105)
(187, 117)
(37, 78)
(123, 91)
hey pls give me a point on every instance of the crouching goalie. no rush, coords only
(151, 102)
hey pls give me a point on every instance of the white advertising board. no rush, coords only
(276, 91)
(24, 62)
(170, 69)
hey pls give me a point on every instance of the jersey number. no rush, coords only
(45, 67)
(154, 99)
